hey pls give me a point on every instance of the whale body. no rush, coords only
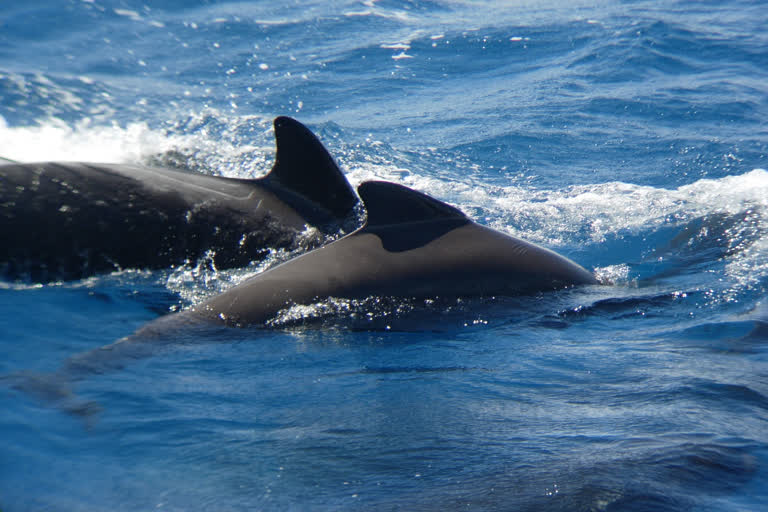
(71, 220)
(413, 246)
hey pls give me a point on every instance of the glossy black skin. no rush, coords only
(72, 220)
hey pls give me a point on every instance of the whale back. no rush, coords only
(420, 232)
(412, 245)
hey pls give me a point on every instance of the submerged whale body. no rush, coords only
(72, 220)
(413, 246)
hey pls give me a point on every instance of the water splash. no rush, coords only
(208, 141)
(197, 281)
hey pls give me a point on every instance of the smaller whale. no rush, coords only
(412, 246)
(73, 220)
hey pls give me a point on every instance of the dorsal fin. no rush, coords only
(388, 203)
(303, 166)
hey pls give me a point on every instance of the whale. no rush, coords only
(411, 246)
(71, 220)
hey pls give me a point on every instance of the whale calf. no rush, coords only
(72, 220)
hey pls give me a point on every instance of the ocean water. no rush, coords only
(630, 136)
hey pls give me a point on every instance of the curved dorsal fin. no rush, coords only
(303, 166)
(388, 203)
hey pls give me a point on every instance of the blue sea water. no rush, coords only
(628, 135)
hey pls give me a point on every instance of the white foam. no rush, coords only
(89, 141)
(54, 139)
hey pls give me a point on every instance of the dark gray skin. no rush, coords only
(412, 246)
(72, 220)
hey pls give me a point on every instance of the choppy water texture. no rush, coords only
(629, 136)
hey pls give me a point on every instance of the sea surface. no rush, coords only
(630, 136)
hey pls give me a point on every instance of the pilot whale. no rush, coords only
(411, 246)
(71, 220)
